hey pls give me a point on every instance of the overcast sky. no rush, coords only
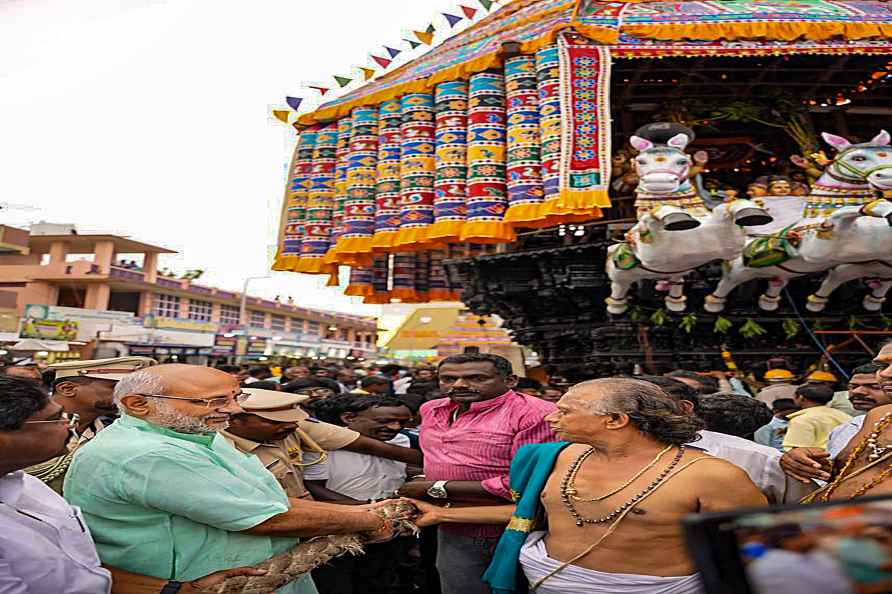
(149, 118)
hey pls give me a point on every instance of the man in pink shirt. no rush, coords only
(468, 440)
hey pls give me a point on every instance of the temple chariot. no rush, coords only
(661, 184)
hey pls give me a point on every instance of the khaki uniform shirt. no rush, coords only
(285, 458)
(52, 472)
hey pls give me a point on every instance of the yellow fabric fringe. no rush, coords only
(405, 295)
(333, 279)
(526, 213)
(314, 266)
(487, 232)
(359, 290)
(377, 299)
(382, 241)
(445, 231)
(353, 245)
(285, 263)
(582, 201)
(413, 236)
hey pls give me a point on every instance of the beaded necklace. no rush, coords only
(568, 485)
(869, 442)
(571, 487)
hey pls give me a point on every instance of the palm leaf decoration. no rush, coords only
(688, 323)
(752, 329)
(722, 325)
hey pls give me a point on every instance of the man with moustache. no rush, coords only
(869, 388)
(861, 468)
(44, 545)
(600, 513)
(83, 388)
(166, 496)
(469, 439)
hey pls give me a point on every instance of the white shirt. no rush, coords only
(761, 463)
(786, 572)
(401, 386)
(45, 545)
(360, 476)
(843, 434)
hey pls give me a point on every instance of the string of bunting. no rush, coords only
(383, 60)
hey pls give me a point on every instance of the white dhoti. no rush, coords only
(537, 564)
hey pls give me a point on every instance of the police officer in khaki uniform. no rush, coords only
(274, 428)
(84, 388)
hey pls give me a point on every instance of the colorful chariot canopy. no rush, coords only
(636, 29)
(507, 126)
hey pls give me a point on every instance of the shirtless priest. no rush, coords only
(613, 496)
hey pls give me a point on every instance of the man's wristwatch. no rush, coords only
(438, 490)
(171, 587)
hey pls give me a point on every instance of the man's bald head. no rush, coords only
(176, 378)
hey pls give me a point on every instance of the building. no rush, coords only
(433, 332)
(107, 289)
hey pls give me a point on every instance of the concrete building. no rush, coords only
(111, 286)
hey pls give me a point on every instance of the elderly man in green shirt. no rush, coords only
(165, 496)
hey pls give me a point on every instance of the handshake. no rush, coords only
(401, 517)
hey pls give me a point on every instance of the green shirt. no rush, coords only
(174, 505)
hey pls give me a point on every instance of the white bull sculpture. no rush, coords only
(844, 225)
(675, 232)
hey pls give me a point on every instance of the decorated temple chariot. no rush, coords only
(624, 183)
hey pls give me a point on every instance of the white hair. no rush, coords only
(148, 384)
(138, 382)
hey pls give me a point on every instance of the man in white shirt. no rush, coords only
(866, 392)
(352, 478)
(761, 463)
(45, 545)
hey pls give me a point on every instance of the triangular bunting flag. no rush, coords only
(430, 29)
(368, 73)
(413, 44)
(281, 115)
(487, 4)
(393, 52)
(294, 102)
(382, 62)
(452, 18)
(343, 81)
(470, 13)
(424, 37)
(322, 90)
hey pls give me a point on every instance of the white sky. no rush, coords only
(149, 118)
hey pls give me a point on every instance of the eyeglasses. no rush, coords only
(208, 402)
(71, 420)
(315, 392)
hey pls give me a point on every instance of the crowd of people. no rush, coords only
(122, 475)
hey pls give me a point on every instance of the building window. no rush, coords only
(277, 322)
(200, 310)
(297, 325)
(167, 306)
(258, 319)
(314, 329)
(229, 314)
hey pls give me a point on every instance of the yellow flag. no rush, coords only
(281, 115)
(424, 37)
(367, 72)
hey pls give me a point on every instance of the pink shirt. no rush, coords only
(481, 442)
